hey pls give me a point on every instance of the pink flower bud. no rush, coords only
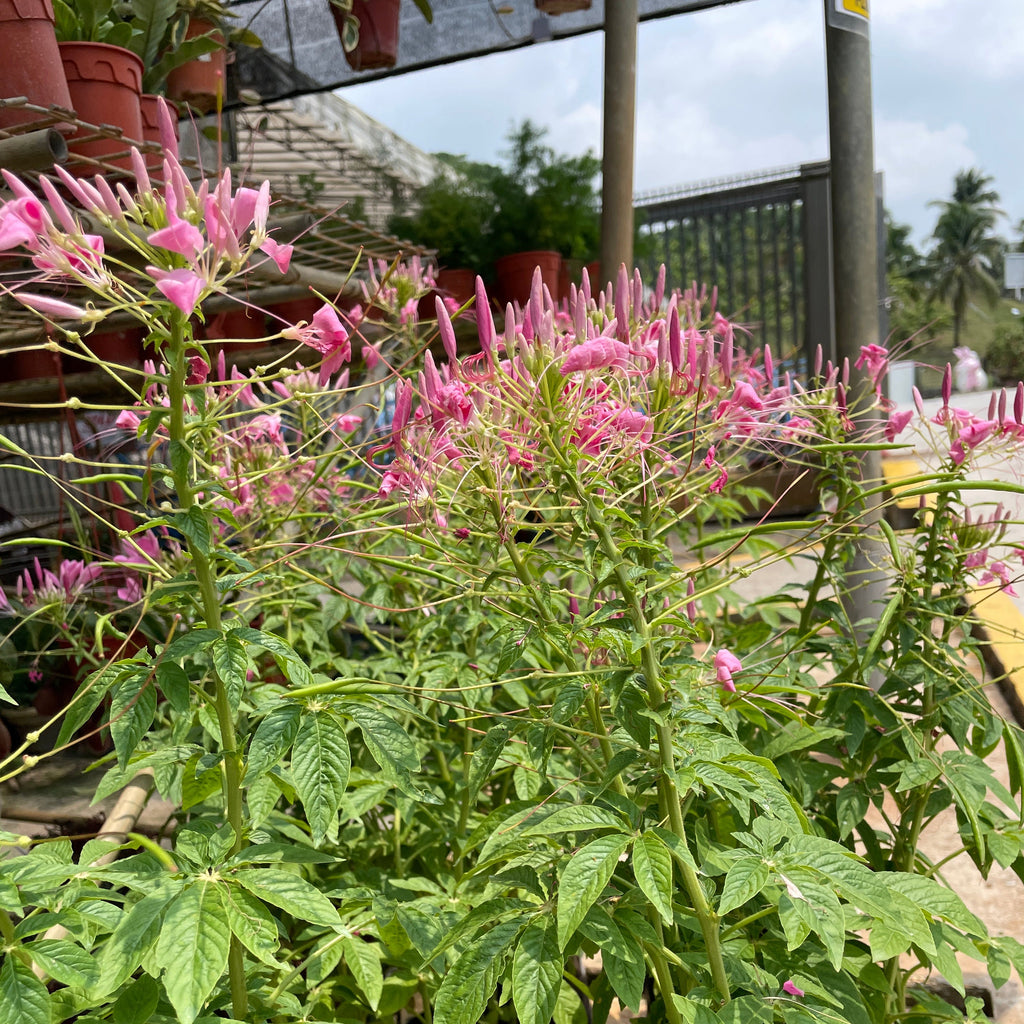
(725, 664)
(947, 384)
(790, 989)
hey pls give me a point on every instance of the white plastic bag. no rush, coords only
(968, 373)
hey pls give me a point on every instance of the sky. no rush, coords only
(741, 88)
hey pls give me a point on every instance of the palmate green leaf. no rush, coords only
(583, 881)
(652, 869)
(254, 925)
(536, 971)
(272, 739)
(289, 892)
(746, 878)
(193, 946)
(365, 966)
(130, 941)
(320, 769)
(471, 980)
(23, 997)
(65, 961)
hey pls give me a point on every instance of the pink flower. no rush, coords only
(327, 335)
(347, 422)
(127, 420)
(897, 423)
(875, 359)
(596, 354)
(179, 236)
(970, 437)
(49, 306)
(280, 254)
(182, 287)
(725, 664)
(791, 990)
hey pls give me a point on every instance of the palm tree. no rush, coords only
(961, 262)
(965, 252)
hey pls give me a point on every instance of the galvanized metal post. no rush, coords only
(620, 28)
(855, 267)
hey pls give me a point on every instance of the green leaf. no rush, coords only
(366, 968)
(129, 942)
(132, 709)
(746, 878)
(746, 1010)
(388, 743)
(191, 642)
(536, 971)
(289, 892)
(583, 881)
(65, 961)
(272, 739)
(195, 525)
(652, 868)
(484, 758)
(199, 781)
(851, 806)
(577, 818)
(468, 985)
(231, 663)
(936, 900)
(137, 1003)
(320, 769)
(193, 946)
(254, 925)
(173, 682)
(291, 664)
(23, 997)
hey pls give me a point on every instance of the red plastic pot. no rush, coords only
(29, 364)
(198, 82)
(378, 33)
(231, 329)
(105, 83)
(30, 63)
(459, 283)
(515, 274)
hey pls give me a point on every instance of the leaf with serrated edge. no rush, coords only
(365, 967)
(320, 768)
(652, 868)
(193, 947)
(254, 925)
(536, 972)
(23, 997)
(583, 881)
(468, 985)
(746, 878)
(289, 892)
(65, 961)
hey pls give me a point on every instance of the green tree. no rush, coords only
(961, 263)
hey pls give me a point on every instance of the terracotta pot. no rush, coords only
(30, 63)
(230, 329)
(570, 272)
(105, 83)
(515, 274)
(459, 283)
(561, 6)
(150, 107)
(378, 33)
(198, 82)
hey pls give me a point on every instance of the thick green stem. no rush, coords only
(181, 469)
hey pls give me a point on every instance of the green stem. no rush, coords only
(232, 778)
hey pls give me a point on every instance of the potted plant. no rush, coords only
(30, 64)
(545, 210)
(368, 30)
(203, 33)
(104, 77)
(452, 216)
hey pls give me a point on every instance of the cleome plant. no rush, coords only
(440, 646)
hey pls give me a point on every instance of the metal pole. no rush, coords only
(855, 268)
(620, 27)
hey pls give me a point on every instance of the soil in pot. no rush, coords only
(30, 63)
(105, 83)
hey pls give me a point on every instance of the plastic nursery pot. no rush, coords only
(515, 274)
(198, 82)
(561, 6)
(378, 33)
(570, 272)
(459, 283)
(30, 63)
(105, 83)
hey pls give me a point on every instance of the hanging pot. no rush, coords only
(378, 33)
(30, 63)
(561, 6)
(515, 274)
(198, 82)
(105, 83)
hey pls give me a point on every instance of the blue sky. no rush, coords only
(742, 88)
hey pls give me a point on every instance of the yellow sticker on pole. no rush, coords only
(856, 7)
